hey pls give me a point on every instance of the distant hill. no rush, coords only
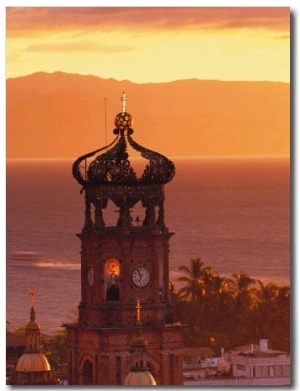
(63, 115)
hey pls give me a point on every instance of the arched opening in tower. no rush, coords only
(87, 373)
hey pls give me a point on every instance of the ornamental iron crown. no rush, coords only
(112, 165)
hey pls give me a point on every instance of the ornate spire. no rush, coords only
(138, 308)
(124, 99)
(108, 173)
(114, 167)
(32, 330)
(33, 367)
(32, 311)
(139, 374)
(32, 295)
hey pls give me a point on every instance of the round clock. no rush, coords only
(90, 276)
(141, 276)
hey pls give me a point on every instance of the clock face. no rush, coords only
(90, 276)
(113, 266)
(141, 276)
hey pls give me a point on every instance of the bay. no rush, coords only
(233, 213)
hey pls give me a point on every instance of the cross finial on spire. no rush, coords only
(138, 313)
(32, 294)
(124, 99)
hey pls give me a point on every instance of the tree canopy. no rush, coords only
(230, 311)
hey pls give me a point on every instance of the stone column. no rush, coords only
(88, 224)
(178, 366)
(165, 367)
(124, 365)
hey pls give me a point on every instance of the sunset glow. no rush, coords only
(210, 54)
(150, 44)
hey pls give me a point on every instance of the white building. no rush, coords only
(201, 362)
(258, 361)
(250, 365)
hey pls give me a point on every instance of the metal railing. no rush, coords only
(200, 366)
(259, 361)
(258, 381)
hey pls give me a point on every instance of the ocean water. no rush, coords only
(233, 213)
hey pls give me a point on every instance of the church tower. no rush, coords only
(124, 262)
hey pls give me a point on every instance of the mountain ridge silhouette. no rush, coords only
(61, 115)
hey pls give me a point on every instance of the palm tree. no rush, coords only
(174, 297)
(216, 301)
(265, 308)
(240, 282)
(283, 298)
(194, 288)
(241, 291)
(266, 293)
(283, 316)
(213, 283)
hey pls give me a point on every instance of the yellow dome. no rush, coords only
(33, 362)
(139, 378)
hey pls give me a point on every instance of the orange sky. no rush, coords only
(150, 44)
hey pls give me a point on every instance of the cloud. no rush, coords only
(44, 19)
(285, 36)
(80, 46)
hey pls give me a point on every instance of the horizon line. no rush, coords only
(169, 157)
